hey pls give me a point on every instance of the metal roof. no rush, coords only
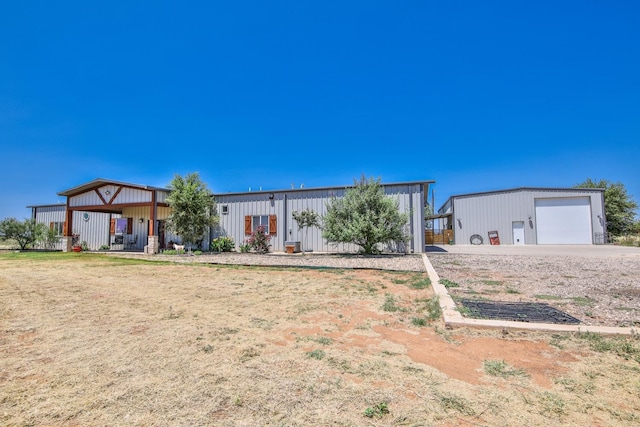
(101, 181)
(513, 190)
(337, 187)
(50, 205)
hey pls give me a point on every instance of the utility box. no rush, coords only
(292, 247)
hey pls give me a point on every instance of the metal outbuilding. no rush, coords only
(520, 216)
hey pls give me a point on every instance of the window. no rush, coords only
(120, 226)
(260, 220)
(225, 209)
(269, 222)
(58, 227)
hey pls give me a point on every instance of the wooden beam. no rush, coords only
(152, 214)
(115, 195)
(115, 208)
(68, 222)
(104, 202)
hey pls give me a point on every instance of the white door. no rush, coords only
(563, 221)
(518, 232)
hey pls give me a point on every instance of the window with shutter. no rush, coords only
(247, 225)
(58, 227)
(268, 222)
(273, 225)
(129, 225)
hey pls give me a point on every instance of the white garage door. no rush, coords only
(563, 221)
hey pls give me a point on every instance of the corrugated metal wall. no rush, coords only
(93, 227)
(481, 213)
(48, 214)
(282, 204)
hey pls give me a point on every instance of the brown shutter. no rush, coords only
(51, 226)
(64, 228)
(129, 225)
(247, 225)
(273, 225)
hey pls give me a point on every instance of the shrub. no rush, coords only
(223, 244)
(245, 247)
(259, 240)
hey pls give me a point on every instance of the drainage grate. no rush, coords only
(517, 311)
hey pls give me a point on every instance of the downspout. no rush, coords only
(604, 220)
(411, 218)
(286, 229)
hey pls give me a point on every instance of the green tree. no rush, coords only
(192, 208)
(619, 207)
(26, 233)
(305, 219)
(365, 216)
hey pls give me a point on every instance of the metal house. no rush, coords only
(124, 216)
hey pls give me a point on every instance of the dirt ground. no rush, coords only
(92, 340)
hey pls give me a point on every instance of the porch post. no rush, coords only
(67, 232)
(152, 239)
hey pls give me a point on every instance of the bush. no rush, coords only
(259, 241)
(223, 244)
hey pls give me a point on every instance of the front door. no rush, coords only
(161, 227)
(518, 232)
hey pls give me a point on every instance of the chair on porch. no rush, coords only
(132, 241)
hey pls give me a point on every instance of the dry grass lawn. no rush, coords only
(92, 340)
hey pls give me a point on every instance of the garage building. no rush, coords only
(542, 216)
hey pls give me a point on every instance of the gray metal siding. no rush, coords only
(48, 214)
(410, 199)
(479, 214)
(95, 230)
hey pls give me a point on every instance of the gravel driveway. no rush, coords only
(598, 286)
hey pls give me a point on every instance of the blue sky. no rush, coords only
(478, 96)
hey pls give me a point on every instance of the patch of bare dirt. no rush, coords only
(91, 340)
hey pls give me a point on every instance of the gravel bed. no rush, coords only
(598, 291)
(410, 262)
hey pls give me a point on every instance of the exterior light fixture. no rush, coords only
(141, 220)
(271, 196)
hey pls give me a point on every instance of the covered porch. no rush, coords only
(137, 214)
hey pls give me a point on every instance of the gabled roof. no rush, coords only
(99, 182)
(518, 189)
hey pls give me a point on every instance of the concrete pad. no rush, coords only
(453, 318)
